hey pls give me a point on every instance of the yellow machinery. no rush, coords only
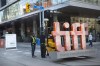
(51, 45)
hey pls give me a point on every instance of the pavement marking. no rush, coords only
(28, 53)
(4, 53)
(37, 51)
(19, 51)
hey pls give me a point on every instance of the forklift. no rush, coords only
(53, 53)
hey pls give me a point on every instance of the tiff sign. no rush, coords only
(57, 33)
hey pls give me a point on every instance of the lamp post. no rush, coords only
(46, 20)
(46, 29)
(42, 25)
(40, 18)
(41, 15)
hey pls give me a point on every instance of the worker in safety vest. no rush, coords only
(33, 44)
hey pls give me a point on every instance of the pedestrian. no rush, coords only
(90, 39)
(33, 44)
(43, 46)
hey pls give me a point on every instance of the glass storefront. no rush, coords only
(91, 21)
(1, 14)
(96, 2)
(10, 12)
(93, 25)
(54, 2)
(18, 9)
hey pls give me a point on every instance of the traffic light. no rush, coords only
(27, 7)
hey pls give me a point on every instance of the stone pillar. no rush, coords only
(22, 31)
(13, 27)
(35, 27)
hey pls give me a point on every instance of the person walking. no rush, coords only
(43, 47)
(90, 39)
(33, 44)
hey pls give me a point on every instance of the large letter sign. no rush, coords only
(83, 30)
(57, 33)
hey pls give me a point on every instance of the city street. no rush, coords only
(22, 57)
(65, 24)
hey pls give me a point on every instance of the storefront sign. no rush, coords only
(10, 41)
(76, 30)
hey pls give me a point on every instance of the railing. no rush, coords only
(18, 9)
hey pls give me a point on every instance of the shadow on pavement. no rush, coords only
(72, 59)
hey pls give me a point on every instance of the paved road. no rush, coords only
(22, 57)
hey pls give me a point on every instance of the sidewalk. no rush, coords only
(22, 57)
(14, 58)
(27, 48)
(29, 44)
(94, 43)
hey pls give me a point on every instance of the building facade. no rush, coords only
(2, 3)
(22, 18)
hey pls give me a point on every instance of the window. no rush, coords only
(3, 3)
(54, 2)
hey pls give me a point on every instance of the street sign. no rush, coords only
(39, 7)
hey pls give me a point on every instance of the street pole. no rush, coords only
(40, 22)
(42, 17)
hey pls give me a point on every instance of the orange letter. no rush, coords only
(67, 37)
(74, 35)
(57, 36)
(84, 31)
